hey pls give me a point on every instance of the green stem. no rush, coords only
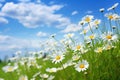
(90, 28)
(64, 70)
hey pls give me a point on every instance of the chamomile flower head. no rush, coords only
(92, 36)
(102, 10)
(23, 77)
(108, 47)
(56, 58)
(112, 16)
(69, 35)
(78, 47)
(9, 68)
(88, 18)
(75, 57)
(51, 77)
(113, 7)
(97, 22)
(81, 66)
(109, 36)
(81, 23)
(44, 76)
(99, 50)
(51, 70)
(84, 31)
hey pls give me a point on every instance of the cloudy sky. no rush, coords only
(26, 23)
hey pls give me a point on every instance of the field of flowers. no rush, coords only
(92, 54)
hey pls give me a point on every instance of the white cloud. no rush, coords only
(3, 20)
(34, 15)
(10, 43)
(89, 12)
(42, 34)
(71, 28)
(74, 12)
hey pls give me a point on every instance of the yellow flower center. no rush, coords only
(110, 17)
(58, 57)
(87, 19)
(92, 37)
(99, 50)
(78, 47)
(82, 66)
(108, 47)
(96, 22)
(10, 69)
(84, 31)
(108, 36)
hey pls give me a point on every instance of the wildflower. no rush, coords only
(99, 50)
(88, 18)
(81, 65)
(51, 77)
(102, 10)
(113, 7)
(81, 23)
(9, 68)
(53, 35)
(78, 47)
(69, 35)
(109, 36)
(108, 47)
(92, 36)
(114, 27)
(82, 51)
(76, 57)
(58, 58)
(51, 70)
(44, 76)
(97, 22)
(111, 16)
(23, 77)
(84, 31)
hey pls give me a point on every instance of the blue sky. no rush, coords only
(26, 22)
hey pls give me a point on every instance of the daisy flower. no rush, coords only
(96, 22)
(23, 77)
(84, 31)
(112, 16)
(69, 35)
(99, 50)
(108, 47)
(109, 37)
(88, 18)
(81, 23)
(113, 7)
(78, 47)
(51, 70)
(9, 68)
(75, 57)
(102, 10)
(81, 66)
(92, 36)
(44, 76)
(51, 77)
(57, 58)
